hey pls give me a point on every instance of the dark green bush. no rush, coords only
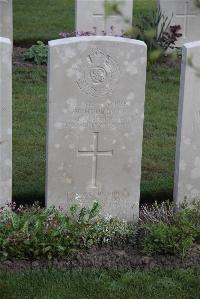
(37, 54)
(174, 234)
(163, 238)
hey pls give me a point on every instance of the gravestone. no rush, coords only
(96, 91)
(187, 169)
(184, 13)
(5, 121)
(6, 19)
(91, 14)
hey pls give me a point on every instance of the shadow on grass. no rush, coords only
(29, 199)
(150, 198)
(145, 198)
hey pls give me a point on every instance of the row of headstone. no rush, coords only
(6, 19)
(184, 13)
(92, 16)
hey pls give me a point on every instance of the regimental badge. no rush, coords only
(99, 75)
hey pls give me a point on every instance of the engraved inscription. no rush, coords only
(99, 74)
(95, 153)
(112, 114)
(116, 194)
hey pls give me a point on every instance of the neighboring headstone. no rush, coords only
(184, 13)
(91, 14)
(6, 19)
(187, 169)
(5, 121)
(95, 125)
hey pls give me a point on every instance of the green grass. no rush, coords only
(144, 6)
(29, 128)
(183, 284)
(43, 20)
(29, 122)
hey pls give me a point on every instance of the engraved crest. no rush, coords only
(99, 74)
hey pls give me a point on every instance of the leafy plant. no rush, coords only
(37, 54)
(35, 232)
(162, 238)
(145, 29)
(170, 231)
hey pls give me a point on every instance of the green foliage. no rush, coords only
(189, 219)
(175, 234)
(163, 238)
(145, 28)
(34, 232)
(37, 54)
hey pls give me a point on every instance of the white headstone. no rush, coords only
(5, 121)
(187, 169)
(184, 13)
(91, 14)
(95, 126)
(6, 19)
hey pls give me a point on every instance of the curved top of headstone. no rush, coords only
(192, 44)
(72, 40)
(188, 49)
(5, 40)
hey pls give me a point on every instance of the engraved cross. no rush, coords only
(95, 153)
(186, 17)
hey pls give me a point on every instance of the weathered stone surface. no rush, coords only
(5, 121)
(95, 126)
(6, 19)
(91, 14)
(187, 173)
(184, 13)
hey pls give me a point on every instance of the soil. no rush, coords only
(107, 258)
(18, 54)
(18, 58)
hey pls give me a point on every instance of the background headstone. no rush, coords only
(6, 19)
(5, 121)
(96, 91)
(184, 13)
(91, 14)
(187, 172)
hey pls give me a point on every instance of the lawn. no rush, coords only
(42, 20)
(183, 284)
